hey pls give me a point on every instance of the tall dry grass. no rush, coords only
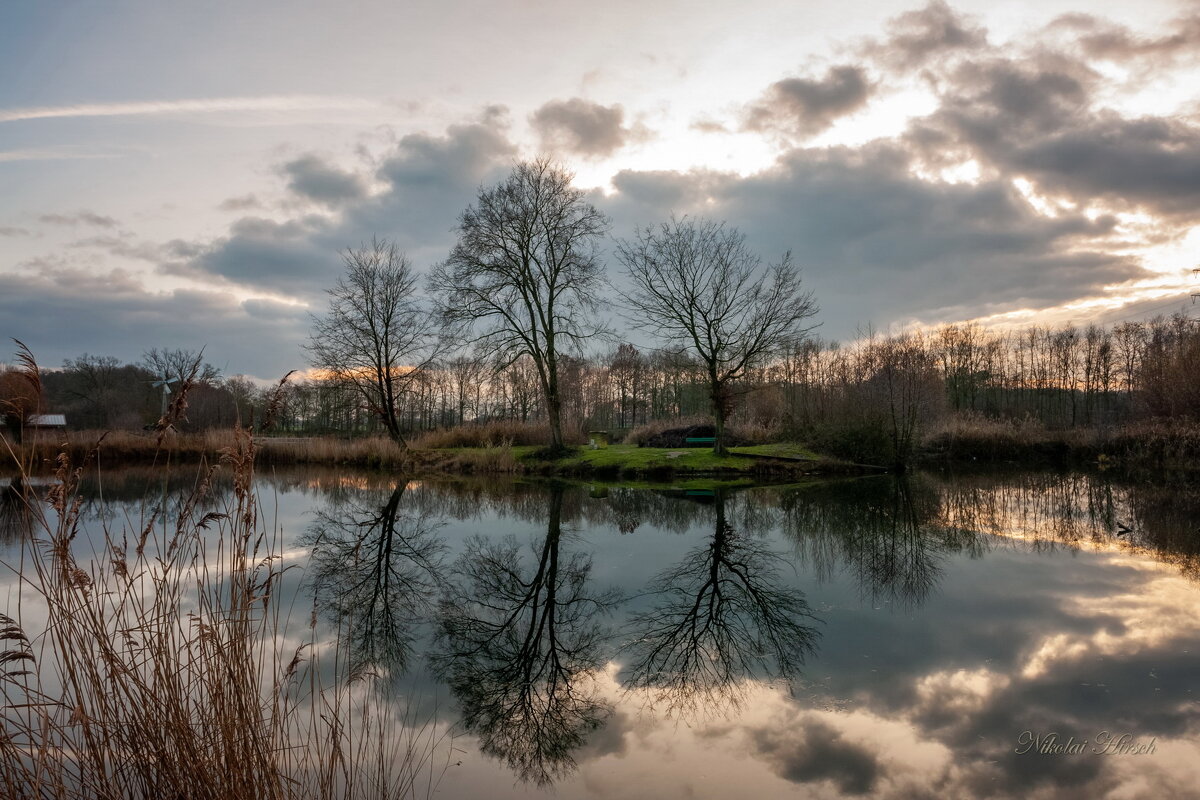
(162, 664)
(752, 432)
(497, 433)
(1161, 443)
(378, 452)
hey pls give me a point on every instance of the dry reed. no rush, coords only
(164, 666)
(497, 433)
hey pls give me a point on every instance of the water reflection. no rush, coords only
(16, 520)
(892, 535)
(374, 570)
(520, 642)
(720, 617)
(955, 612)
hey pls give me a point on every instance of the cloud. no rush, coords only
(7, 230)
(583, 128)
(427, 182)
(79, 218)
(53, 154)
(213, 105)
(1035, 116)
(311, 177)
(245, 202)
(127, 247)
(1103, 39)
(879, 244)
(285, 257)
(916, 38)
(709, 125)
(805, 106)
(115, 314)
(808, 750)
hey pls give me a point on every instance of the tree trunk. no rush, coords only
(554, 411)
(718, 410)
(393, 429)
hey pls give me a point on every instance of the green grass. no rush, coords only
(631, 459)
(780, 449)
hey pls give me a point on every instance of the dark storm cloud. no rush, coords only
(806, 106)
(428, 181)
(1035, 116)
(917, 37)
(804, 749)
(114, 314)
(581, 127)
(878, 244)
(315, 179)
(262, 253)
(79, 218)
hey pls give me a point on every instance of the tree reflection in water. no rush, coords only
(16, 516)
(375, 570)
(892, 534)
(519, 644)
(722, 615)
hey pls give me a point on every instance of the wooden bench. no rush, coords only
(700, 440)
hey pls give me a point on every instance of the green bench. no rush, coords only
(700, 440)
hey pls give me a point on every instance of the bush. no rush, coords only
(492, 434)
(644, 433)
(864, 441)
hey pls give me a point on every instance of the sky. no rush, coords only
(187, 174)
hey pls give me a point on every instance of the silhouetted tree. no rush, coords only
(376, 570)
(697, 285)
(526, 269)
(722, 616)
(376, 335)
(519, 645)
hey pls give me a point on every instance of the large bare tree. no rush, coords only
(526, 271)
(695, 284)
(376, 336)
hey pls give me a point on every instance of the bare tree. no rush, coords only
(722, 615)
(178, 365)
(375, 570)
(526, 269)
(377, 336)
(696, 284)
(519, 645)
(467, 373)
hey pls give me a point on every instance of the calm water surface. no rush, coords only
(857, 638)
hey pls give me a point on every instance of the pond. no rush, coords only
(1015, 635)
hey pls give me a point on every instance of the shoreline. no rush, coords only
(1131, 449)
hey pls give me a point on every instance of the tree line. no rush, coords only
(516, 324)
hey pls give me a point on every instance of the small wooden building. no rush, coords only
(46, 422)
(45, 427)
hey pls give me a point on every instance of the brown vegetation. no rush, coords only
(161, 667)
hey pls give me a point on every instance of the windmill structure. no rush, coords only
(165, 382)
(1195, 293)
